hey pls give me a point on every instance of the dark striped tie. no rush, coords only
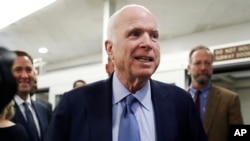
(31, 123)
(197, 101)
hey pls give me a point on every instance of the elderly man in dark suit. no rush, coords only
(218, 107)
(129, 105)
(34, 116)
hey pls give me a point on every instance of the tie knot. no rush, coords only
(130, 100)
(25, 104)
(198, 92)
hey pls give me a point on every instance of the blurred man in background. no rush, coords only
(79, 83)
(218, 107)
(34, 116)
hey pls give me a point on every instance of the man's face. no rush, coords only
(79, 84)
(23, 72)
(136, 50)
(200, 67)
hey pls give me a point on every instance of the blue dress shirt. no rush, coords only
(203, 98)
(143, 109)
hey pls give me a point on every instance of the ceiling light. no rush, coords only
(43, 50)
(13, 10)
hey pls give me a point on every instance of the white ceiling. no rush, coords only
(72, 29)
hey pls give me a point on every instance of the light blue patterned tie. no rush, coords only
(129, 129)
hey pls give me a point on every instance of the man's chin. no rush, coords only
(24, 91)
(144, 74)
(203, 81)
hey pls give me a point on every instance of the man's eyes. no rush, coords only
(206, 63)
(135, 33)
(21, 69)
(153, 36)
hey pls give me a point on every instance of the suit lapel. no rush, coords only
(39, 116)
(212, 104)
(18, 117)
(165, 115)
(100, 109)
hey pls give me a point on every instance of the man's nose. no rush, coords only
(146, 41)
(204, 65)
(24, 74)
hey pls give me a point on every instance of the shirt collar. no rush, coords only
(120, 91)
(206, 88)
(20, 101)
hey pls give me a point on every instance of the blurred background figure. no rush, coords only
(37, 99)
(79, 83)
(34, 116)
(9, 131)
(218, 107)
(109, 67)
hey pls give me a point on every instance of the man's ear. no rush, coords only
(108, 48)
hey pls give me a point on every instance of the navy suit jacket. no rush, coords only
(43, 114)
(85, 114)
(45, 103)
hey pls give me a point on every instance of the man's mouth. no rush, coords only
(144, 59)
(23, 83)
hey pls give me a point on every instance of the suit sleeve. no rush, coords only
(235, 116)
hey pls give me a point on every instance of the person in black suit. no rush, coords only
(159, 111)
(29, 113)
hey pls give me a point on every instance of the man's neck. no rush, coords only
(199, 86)
(24, 96)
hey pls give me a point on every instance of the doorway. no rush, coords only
(236, 77)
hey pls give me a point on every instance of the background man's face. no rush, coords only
(23, 72)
